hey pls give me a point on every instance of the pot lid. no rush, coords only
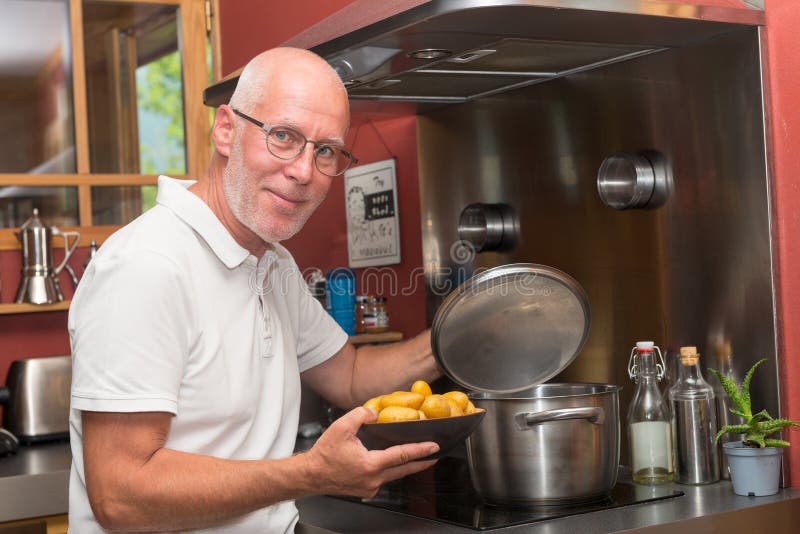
(510, 327)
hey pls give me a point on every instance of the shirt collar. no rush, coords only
(175, 195)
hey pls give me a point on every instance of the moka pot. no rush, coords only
(39, 283)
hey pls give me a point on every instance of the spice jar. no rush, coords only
(376, 317)
(361, 306)
(382, 315)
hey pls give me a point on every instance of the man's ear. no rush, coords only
(222, 131)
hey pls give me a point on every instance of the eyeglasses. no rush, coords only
(287, 143)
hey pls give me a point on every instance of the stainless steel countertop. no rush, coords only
(34, 481)
(702, 504)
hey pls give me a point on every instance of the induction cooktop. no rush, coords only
(444, 493)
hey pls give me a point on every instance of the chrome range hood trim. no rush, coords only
(540, 77)
(472, 25)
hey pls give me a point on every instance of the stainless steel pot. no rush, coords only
(553, 443)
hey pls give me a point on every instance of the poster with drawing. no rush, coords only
(373, 230)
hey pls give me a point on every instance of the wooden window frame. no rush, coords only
(193, 20)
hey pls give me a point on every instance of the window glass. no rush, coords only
(57, 206)
(134, 88)
(118, 205)
(160, 106)
(36, 112)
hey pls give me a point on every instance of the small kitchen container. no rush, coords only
(341, 298)
(341, 289)
(376, 316)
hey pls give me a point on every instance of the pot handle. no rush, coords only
(68, 250)
(593, 414)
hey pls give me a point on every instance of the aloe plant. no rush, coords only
(756, 427)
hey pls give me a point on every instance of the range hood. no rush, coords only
(452, 51)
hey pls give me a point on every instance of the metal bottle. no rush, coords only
(694, 423)
(648, 418)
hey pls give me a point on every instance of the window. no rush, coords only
(97, 98)
(36, 88)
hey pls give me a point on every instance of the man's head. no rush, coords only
(270, 196)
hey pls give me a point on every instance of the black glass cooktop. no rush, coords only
(444, 493)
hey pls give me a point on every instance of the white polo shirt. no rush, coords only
(172, 315)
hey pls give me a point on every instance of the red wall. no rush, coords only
(33, 334)
(250, 27)
(323, 241)
(783, 20)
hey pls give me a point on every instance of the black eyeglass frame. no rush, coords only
(351, 160)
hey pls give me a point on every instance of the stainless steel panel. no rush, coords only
(696, 271)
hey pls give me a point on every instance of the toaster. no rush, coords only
(37, 397)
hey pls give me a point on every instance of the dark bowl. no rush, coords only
(447, 432)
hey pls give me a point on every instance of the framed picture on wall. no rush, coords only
(373, 229)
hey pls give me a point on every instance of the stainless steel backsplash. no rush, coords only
(696, 271)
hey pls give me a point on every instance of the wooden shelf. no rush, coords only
(12, 308)
(383, 337)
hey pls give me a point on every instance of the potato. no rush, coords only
(459, 397)
(405, 399)
(374, 403)
(455, 409)
(470, 408)
(391, 414)
(435, 406)
(421, 387)
(420, 403)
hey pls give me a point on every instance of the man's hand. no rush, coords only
(343, 466)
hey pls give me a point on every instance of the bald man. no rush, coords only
(191, 332)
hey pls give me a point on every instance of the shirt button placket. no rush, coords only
(266, 329)
(262, 274)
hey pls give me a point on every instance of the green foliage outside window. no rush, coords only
(161, 125)
(160, 108)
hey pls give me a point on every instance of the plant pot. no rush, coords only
(754, 472)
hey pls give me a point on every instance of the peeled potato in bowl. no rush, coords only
(392, 414)
(422, 387)
(405, 399)
(420, 415)
(435, 406)
(424, 401)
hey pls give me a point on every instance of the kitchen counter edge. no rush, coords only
(34, 482)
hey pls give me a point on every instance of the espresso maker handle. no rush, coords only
(67, 249)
